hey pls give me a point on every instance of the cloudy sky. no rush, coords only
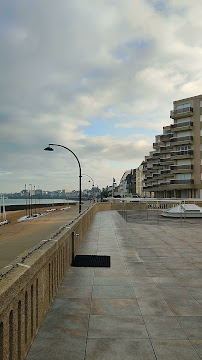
(97, 76)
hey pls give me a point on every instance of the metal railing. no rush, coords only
(182, 124)
(183, 111)
(182, 138)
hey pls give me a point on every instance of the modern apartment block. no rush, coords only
(174, 167)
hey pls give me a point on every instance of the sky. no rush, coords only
(96, 76)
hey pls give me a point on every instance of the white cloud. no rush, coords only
(69, 65)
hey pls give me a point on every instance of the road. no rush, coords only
(15, 237)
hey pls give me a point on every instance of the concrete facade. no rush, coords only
(174, 168)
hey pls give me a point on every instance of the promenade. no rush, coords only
(146, 306)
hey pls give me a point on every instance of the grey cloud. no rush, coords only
(63, 64)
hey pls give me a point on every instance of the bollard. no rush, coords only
(181, 212)
(157, 204)
(126, 212)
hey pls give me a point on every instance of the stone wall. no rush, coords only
(28, 289)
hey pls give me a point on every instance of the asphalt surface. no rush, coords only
(15, 238)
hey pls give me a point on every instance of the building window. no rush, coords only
(184, 148)
(183, 106)
(179, 121)
(183, 176)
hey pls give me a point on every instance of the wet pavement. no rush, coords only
(146, 306)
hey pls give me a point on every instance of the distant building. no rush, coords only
(131, 182)
(140, 180)
(123, 184)
(38, 192)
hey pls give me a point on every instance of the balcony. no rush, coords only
(182, 154)
(149, 170)
(155, 184)
(182, 182)
(182, 126)
(156, 175)
(157, 144)
(180, 113)
(157, 153)
(166, 137)
(166, 149)
(164, 183)
(149, 186)
(165, 161)
(165, 171)
(182, 139)
(181, 168)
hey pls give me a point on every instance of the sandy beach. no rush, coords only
(17, 237)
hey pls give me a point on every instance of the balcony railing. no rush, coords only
(182, 124)
(181, 167)
(178, 113)
(157, 153)
(147, 186)
(181, 153)
(165, 171)
(166, 137)
(182, 182)
(163, 160)
(182, 139)
(164, 183)
(157, 144)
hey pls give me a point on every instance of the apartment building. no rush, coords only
(174, 167)
(140, 180)
(123, 183)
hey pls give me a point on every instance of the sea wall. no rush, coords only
(23, 206)
(28, 288)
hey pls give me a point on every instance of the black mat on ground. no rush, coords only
(91, 261)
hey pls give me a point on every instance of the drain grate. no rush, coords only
(91, 261)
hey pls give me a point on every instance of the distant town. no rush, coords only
(55, 194)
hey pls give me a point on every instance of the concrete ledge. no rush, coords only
(27, 291)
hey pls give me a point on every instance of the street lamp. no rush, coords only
(49, 148)
(89, 181)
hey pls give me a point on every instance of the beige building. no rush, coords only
(139, 180)
(174, 168)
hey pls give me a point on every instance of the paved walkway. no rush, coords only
(147, 306)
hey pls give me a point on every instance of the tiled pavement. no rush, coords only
(147, 306)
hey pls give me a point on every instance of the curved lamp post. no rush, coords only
(89, 181)
(49, 148)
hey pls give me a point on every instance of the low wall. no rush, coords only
(33, 207)
(28, 288)
(152, 204)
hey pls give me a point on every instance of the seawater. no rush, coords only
(35, 201)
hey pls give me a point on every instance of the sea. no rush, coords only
(36, 201)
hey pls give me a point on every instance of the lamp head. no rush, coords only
(48, 148)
